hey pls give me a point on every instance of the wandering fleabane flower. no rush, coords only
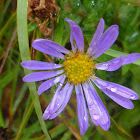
(78, 71)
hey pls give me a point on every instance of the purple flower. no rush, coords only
(77, 71)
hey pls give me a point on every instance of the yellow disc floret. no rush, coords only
(78, 68)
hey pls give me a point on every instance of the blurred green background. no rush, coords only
(20, 110)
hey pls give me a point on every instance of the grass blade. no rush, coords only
(25, 55)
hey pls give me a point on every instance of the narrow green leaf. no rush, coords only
(26, 117)
(20, 97)
(58, 33)
(1, 116)
(66, 135)
(4, 11)
(7, 77)
(25, 55)
(7, 25)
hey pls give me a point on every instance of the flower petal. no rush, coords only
(115, 88)
(53, 45)
(57, 100)
(42, 46)
(106, 41)
(116, 63)
(77, 34)
(82, 110)
(110, 65)
(130, 58)
(38, 65)
(118, 93)
(106, 126)
(96, 36)
(41, 75)
(49, 83)
(98, 112)
(66, 99)
(71, 40)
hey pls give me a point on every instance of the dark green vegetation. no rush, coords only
(20, 109)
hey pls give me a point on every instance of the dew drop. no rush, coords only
(61, 84)
(113, 89)
(106, 64)
(102, 66)
(133, 96)
(85, 118)
(95, 116)
(92, 2)
(90, 109)
(57, 79)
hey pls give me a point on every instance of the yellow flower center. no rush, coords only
(78, 68)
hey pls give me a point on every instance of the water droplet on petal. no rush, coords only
(113, 89)
(133, 96)
(102, 66)
(61, 84)
(96, 117)
(85, 118)
(57, 79)
(90, 109)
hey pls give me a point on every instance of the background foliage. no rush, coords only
(20, 110)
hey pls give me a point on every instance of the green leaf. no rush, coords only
(25, 55)
(58, 33)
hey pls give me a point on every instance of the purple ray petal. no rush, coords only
(53, 45)
(98, 112)
(76, 33)
(106, 126)
(59, 99)
(118, 93)
(38, 65)
(67, 97)
(49, 83)
(82, 110)
(122, 101)
(96, 36)
(71, 41)
(110, 65)
(116, 63)
(118, 89)
(50, 109)
(106, 41)
(41, 75)
(130, 58)
(41, 45)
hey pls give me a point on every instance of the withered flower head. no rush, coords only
(41, 11)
